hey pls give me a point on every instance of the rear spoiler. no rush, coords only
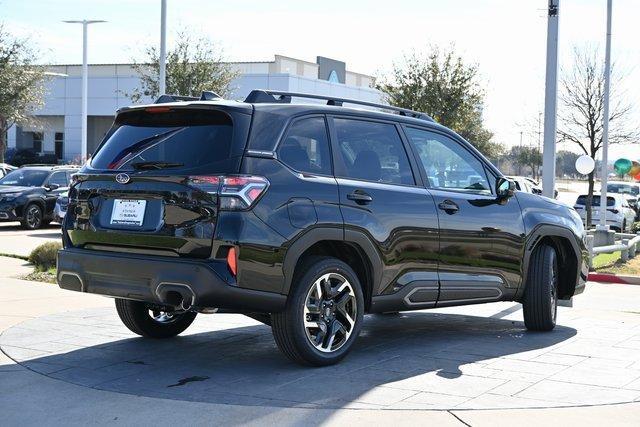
(206, 96)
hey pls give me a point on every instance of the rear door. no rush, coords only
(380, 197)
(152, 185)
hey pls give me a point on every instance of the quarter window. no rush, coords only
(372, 151)
(306, 147)
(448, 165)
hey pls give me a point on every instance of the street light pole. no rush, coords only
(605, 125)
(85, 83)
(162, 84)
(550, 102)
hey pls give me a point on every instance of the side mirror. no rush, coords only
(505, 188)
(51, 187)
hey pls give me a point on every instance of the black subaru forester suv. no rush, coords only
(306, 217)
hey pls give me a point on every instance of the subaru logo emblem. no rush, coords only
(122, 178)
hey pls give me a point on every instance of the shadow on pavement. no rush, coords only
(231, 359)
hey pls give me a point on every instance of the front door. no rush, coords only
(481, 237)
(380, 197)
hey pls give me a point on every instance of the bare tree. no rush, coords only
(582, 109)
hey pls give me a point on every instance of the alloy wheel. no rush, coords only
(34, 216)
(330, 312)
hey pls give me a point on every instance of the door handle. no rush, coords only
(360, 197)
(448, 206)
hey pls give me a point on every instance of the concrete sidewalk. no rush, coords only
(16, 241)
(29, 398)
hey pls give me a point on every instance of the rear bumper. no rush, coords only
(157, 279)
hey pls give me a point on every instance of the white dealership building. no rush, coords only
(59, 121)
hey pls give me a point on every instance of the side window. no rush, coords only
(305, 147)
(448, 165)
(372, 151)
(59, 178)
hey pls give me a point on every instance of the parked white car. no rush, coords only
(620, 215)
(631, 190)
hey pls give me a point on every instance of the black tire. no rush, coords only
(137, 317)
(540, 304)
(294, 338)
(32, 217)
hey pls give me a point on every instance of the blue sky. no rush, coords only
(505, 37)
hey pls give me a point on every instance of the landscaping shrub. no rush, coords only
(44, 256)
(635, 228)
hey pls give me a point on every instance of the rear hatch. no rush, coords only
(152, 185)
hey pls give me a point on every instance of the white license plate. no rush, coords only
(128, 212)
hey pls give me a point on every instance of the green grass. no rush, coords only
(601, 261)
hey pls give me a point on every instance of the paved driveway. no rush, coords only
(16, 241)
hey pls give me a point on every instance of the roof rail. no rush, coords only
(206, 96)
(261, 96)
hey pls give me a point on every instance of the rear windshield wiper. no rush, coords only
(155, 165)
(137, 148)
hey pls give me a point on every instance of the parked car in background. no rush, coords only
(27, 156)
(28, 194)
(529, 185)
(5, 168)
(60, 210)
(631, 190)
(620, 216)
(306, 217)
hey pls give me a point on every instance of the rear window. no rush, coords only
(186, 140)
(623, 189)
(582, 200)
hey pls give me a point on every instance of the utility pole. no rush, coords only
(162, 84)
(550, 101)
(605, 125)
(85, 83)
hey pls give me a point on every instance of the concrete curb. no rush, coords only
(614, 278)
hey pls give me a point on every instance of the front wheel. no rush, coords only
(33, 217)
(152, 322)
(540, 304)
(323, 315)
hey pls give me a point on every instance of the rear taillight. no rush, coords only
(235, 192)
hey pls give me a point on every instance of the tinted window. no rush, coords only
(305, 148)
(447, 164)
(59, 178)
(372, 151)
(189, 139)
(623, 189)
(582, 200)
(25, 177)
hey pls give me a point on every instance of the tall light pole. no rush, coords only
(162, 84)
(605, 124)
(550, 101)
(85, 81)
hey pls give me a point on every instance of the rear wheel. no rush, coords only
(324, 313)
(540, 304)
(32, 218)
(151, 321)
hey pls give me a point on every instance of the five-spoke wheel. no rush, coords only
(324, 313)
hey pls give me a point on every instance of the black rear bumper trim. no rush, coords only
(145, 277)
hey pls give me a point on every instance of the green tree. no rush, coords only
(566, 163)
(22, 86)
(194, 65)
(440, 84)
(581, 109)
(530, 157)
